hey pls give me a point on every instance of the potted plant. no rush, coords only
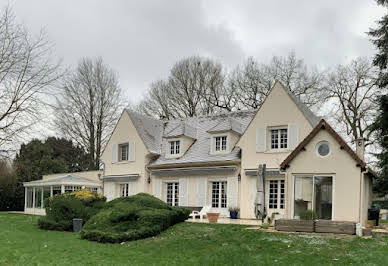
(233, 211)
(212, 217)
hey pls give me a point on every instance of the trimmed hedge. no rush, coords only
(62, 208)
(131, 218)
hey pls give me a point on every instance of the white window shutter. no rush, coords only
(293, 136)
(114, 153)
(232, 191)
(157, 187)
(132, 188)
(183, 192)
(261, 139)
(132, 151)
(201, 191)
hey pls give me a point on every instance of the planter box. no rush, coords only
(336, 227)
(212, 217)
(294, 225)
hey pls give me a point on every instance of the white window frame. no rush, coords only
(320, 143)
(168, 150)
(120, 158)
(219, 201)
(214, 143)
(279, 194)
(124, 189)
(279, 129)
(175, 186)
(313, 194)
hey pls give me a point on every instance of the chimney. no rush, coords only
(360, 147)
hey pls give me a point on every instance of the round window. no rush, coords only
(323, 148)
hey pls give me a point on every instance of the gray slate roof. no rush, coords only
(153, 132)
(200, 149)
(149, 129)
(310, 116)
(182, 129)
(228, 124)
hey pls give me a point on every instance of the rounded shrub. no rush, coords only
(62, 208)
(131, 218)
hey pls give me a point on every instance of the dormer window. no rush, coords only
(279, 138)
(220, 143)
(175, 147)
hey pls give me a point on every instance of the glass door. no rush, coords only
(323, 187)
(313, 193)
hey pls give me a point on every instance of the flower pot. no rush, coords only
(212, 217)
(233, 215)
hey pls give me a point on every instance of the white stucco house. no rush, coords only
(214, 161)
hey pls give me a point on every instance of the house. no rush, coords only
(215, 160)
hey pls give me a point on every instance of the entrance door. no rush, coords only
(313, 193)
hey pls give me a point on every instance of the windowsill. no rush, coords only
(277, 151)
(173, 156)
(220, 152)
(123, 162)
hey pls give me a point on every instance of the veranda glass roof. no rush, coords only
(63, 180)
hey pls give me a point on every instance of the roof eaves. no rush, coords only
(322, 125)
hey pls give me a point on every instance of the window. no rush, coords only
(93, 189)
(38, 197)
(175, 147)
(219, 197)
(276, 194)
(72, 188)
(323, 148)
(124, 190)
(282, 193)
(123, 152)
(313, 193)
(46, 194)
(273, 194)
(220, 143)
(30, 196)
(279, 138)
(57, 190)
(173, 193)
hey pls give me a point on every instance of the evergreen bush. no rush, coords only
(131, 218)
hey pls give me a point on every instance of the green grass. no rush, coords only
(22, 243)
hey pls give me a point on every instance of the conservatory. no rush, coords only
(37, 191)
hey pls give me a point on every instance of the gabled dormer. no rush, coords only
(179, 139)
(224, 136)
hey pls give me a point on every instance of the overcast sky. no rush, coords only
(142, 39)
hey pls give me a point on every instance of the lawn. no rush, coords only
(22, 243)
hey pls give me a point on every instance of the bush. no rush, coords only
(132, 218)
(265, 225)
(382, 204)
(308, 215)
(62, 208)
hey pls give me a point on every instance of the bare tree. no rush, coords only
(253, 81)
(354, 93)
(192, 88)
(26, 72)
(89, 106)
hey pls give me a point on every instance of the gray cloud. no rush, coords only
(142, 39)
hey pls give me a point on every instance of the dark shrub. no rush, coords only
(62, 208)
(131, 218)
